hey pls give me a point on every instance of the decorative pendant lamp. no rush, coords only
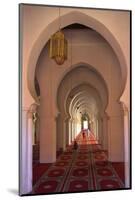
(58, 46)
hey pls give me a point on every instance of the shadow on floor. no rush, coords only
(13, 191)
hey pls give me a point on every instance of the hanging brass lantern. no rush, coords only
(58, 47)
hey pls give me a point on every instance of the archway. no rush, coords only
(97, 78)
(99, 73)
(41, 41)
(75, 17)
(82, 97)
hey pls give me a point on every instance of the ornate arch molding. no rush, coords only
(33, 109)
(94, 80)
(75, 17)
(81, 97)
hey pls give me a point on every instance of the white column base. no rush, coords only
(26, 155)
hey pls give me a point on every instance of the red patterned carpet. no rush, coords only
(84, 169)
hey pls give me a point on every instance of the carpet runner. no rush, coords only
(84, 169)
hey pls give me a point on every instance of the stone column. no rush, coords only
(100, 130)
(58, 142)
(26, 153)
(73, 130)
(95, 130)
(105, 133)
(60, 132)
(91, 125)
(63, 131)
(102, 136)
(127, 145)
(94, 126)
(70, 132)
(36, 126)
(116, 138)
(67, 131)
(47, 138)
(109, 138)
(30, 156)
(96, 135)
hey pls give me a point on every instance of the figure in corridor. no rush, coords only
(75, 147)
(83, 134)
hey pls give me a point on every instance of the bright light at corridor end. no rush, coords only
(85, 124)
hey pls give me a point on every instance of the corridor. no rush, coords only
(84, 169)
(75, 76)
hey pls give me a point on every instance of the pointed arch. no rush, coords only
(67, 19)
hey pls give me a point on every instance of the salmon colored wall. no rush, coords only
(36, 19)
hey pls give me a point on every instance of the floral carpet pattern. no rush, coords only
(84, 169)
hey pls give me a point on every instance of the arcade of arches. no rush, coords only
(89, 92)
